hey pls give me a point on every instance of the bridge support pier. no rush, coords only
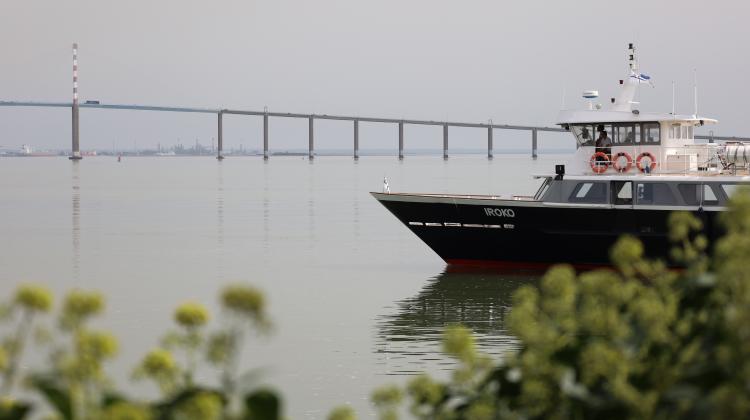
(356, 139)
(310, 138)
(533, 143)
(220, 137)
(400, 140)
(76, 146)
(265, 136)
(445, 141)
(490, 146)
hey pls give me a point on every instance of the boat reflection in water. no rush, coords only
(409, 337)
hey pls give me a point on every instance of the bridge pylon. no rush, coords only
(76, 155)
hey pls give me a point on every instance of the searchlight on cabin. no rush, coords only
(590, 95)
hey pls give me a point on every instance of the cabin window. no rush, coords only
(698, 195)
(585, 134)
(606, 128)
(637, 135)
(709, 196)
(674, 131)
(624, 134)
(690, 132)
(543, 189)
(622, 193)
(589, 192)
(654, 194)
(651, 133)
(620, 134)
(684, 130)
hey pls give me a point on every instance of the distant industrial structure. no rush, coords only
(265, 114)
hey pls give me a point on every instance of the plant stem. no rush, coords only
(16, 352)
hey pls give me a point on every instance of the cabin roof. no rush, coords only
(596, 116)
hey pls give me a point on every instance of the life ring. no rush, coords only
(648, 169)
(599, 162)
(616, 162)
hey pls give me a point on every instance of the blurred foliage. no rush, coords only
(245, 301)
(75, 386)
(29, 301)
(34, 298)
(387, 399)
(126, 411)
(191, 315)
(262, 404)
(244, 308)
(79, 306)
(159, 366)
(342, 413)
(634, 341)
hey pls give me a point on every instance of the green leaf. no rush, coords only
(56, 396)
(169, 408)
(14, 410)
(263, 405)
(111, 398)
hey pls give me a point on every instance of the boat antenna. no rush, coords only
(563, 98)
(629, 85)
(695, 92)
(673, 96)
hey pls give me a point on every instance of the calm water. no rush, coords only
(356, 299)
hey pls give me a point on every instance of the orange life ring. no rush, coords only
(648, 169)
(599, 162)
(616, 162)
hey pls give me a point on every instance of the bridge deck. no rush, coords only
(489, 126)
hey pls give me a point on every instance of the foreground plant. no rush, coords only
(636, 341)
(76, 387)
(244, 311)
(29, 302)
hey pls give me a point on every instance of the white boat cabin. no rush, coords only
(616, 138)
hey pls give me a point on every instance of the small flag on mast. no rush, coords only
(642, 78)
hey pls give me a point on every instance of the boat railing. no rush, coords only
(708, 159)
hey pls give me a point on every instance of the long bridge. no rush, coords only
(355, 120)
(489, 126)
(220, 112)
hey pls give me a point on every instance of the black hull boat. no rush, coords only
(529, 235)
(631, 169)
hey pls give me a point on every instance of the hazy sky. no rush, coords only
(465, 60)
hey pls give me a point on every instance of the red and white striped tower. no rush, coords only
(76, 146)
